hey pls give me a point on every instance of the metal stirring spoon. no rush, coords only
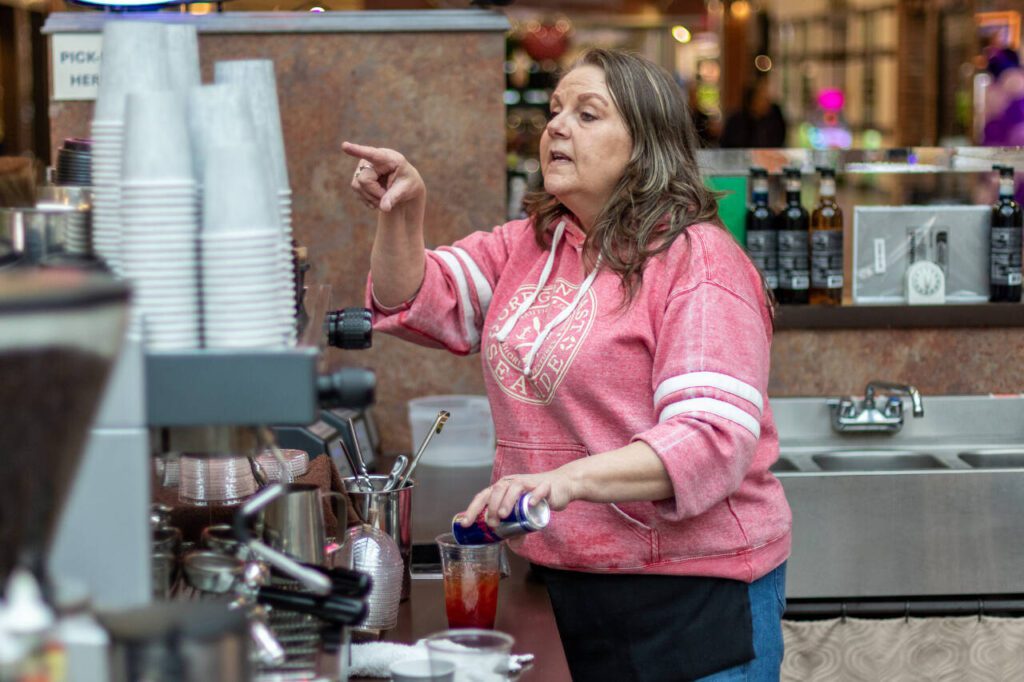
(396, 472)
(439, 423)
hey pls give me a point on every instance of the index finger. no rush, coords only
(374, 154)
(476, 506)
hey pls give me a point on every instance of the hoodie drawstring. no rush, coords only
(511, 322)
(559, 319)
(506, 329)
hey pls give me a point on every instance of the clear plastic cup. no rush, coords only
(478, 655)
(471, 577)
(422, 670)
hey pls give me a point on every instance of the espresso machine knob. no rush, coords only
(349, 328)
(352, 388)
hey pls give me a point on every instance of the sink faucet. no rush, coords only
(849, 415)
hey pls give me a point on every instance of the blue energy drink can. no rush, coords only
(525, 518)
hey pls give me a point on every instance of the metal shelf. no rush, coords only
(232, 388)
(987, 315)
(901, 160)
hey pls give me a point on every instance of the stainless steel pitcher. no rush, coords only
(293, 523)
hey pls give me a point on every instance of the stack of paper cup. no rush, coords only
(134, 60)
(182, 57)
(240, 244)
(257, 78)
(160, 220)
(219, 116)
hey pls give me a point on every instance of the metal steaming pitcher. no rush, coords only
(293, 523)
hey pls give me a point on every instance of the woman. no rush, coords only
(625, 343)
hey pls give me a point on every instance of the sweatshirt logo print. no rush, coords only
(552, 361)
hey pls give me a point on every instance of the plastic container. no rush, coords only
(373, 551)
(466, 440)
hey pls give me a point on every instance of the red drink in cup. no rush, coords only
(471, 577)
(471, 597)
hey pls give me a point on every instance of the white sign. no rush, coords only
(76, 65)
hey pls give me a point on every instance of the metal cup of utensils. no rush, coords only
(293, 523)
(389, 511)
(212, 572)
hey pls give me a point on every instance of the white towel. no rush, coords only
(374, 659)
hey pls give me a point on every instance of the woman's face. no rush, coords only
(585, 147)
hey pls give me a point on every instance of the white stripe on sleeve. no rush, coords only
(724, 382)
(712, 406)
(483, 287)
(472, 336)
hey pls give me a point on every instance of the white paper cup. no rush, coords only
(257, 77)
(182, 57)
(238, 194)
(156, 145)
(219, 116)
(134, 60)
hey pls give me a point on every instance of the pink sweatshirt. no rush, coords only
(568, 373)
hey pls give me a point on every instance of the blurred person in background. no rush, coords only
(707, 128)
(759, 122)
(1004, 97)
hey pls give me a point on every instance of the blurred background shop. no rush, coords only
(844, 73)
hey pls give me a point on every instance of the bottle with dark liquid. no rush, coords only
(762, 244)
(1005, 242)
(827, 244)
(794, 265)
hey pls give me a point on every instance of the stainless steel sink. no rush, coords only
(874, 460)
(994, 459)
(933, 510)
(783, 465)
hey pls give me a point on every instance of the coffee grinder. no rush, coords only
(60, 333)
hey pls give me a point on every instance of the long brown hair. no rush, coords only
(661, 192)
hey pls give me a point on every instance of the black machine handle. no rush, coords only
(332, 608)
(349, 328)
(350, 387)
(346, 582)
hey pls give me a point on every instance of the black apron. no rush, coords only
(649, 628)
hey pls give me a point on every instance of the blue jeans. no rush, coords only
(767, 603)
